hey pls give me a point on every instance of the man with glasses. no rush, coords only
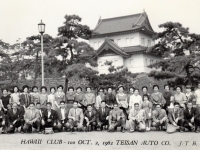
(137, 118)
(14, 118)
(176, 117)
(32, 119)
(116, 119)
(159, 118)
(75, 117)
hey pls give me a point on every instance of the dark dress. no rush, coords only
(5, 100)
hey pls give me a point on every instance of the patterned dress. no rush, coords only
(43, 100)
(147, 107)
(58, 98)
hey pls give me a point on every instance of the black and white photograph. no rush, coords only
(100, 74)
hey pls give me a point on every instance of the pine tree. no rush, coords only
(180, 51)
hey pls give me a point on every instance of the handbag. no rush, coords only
(171, 128)
(124, 104)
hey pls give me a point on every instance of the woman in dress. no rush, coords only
(167, 96)
(100, 97)
(131, 92)
(157, 97)
(25, 98)
(51, 97)
(79, 97)
(89, 97)
(43, 97)
(147, 107)
(180, 97)
(59, 96)
(110, 98)
(190, 95)
(5, 100)
(15, 97)
(122, 100)
(70, 97)
(35, 95)
(135, 98)
(144, 91)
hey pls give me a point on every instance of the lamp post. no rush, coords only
(41, 28)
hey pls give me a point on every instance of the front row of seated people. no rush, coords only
(64, 119)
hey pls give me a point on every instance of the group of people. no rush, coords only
(108, 110)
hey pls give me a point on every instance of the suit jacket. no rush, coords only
(12, 117)
(159, 115)
(173, 115)
(53, 116)
(114, 115)
(60, 115)
(188, 115)
(2, 115)
(139, 116)
(79, 114)
(91, 118)
(25, 99)
(100, 116)
(31, 116)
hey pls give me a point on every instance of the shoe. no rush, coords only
(131, 130)
(122, 130)
(22, 132)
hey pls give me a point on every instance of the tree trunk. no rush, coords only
(189, 82)
(72, 56)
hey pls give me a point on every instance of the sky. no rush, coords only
(20, 18)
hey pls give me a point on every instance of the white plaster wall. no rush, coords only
(148, 59)
(146, 37)
(135, 63)
(123, 40)
(117, 61)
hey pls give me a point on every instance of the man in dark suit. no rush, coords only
(189, 113)
(176, 117)
(90, 118)
(2, 120)
(41, 111)
(103, 115)
(15, 119)
(62, 113)
(49, 118)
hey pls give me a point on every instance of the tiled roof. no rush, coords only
(134, 49)
(113, 46)
(123, 23)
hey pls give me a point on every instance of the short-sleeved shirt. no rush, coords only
(197, 93)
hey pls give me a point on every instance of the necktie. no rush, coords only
(31, 113)
(90, 114)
